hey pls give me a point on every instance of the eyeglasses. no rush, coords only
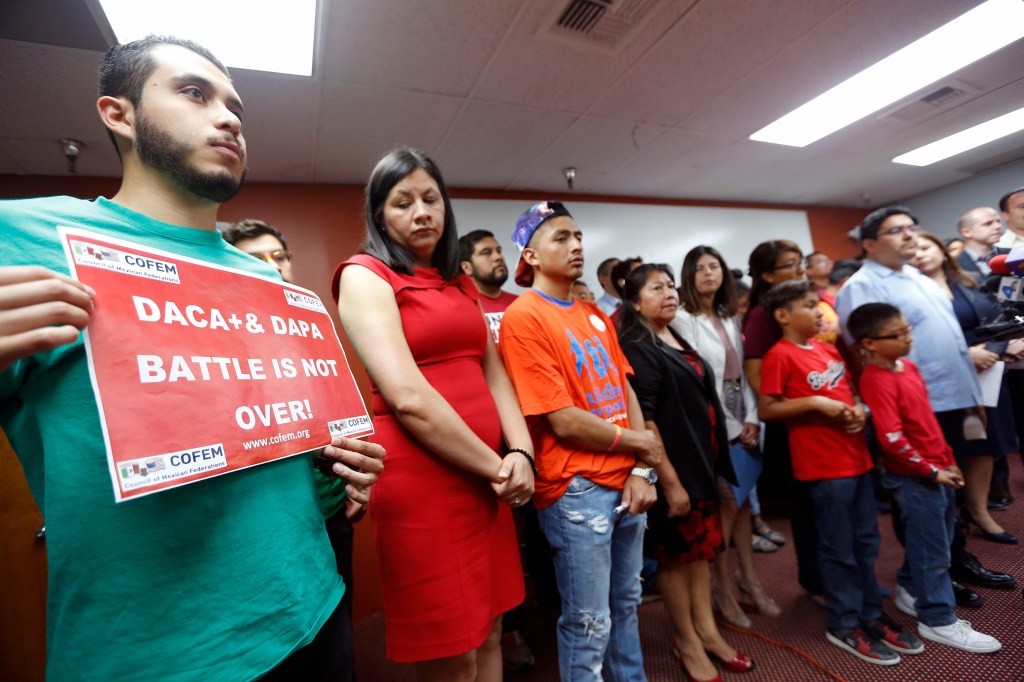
(792, 265)
(278, 257)
(902, 333)
(909, 229)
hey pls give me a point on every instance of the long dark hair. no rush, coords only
(762, 262)
(950, 267)
(724, 303)
(389, 171)
(629, 318)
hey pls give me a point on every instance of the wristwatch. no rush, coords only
(646, 473)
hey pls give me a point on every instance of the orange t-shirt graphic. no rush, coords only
(562, 354)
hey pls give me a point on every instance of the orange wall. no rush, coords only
(323, 225)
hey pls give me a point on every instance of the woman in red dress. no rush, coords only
(445, 541)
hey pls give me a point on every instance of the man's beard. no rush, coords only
(493, 279)
(157, 149)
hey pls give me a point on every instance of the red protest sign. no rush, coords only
(201, 370)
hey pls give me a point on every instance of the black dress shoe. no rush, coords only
(999, 503)
(965, 596)
(972, 572)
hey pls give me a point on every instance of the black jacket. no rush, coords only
(677, 400)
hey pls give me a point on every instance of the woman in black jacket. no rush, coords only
(976, 457)
(677, 393)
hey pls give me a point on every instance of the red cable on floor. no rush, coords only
(813, 661)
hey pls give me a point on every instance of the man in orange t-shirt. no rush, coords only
(595, 481)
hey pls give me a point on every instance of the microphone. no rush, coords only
(999, 266)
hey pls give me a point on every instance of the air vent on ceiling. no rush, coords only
(941, 97)
(598, 25)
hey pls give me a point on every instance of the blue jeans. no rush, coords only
(598, 555)
(848, 541)
(928, 513)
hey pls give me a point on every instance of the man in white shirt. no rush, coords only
(1012, 208)
(981, 228)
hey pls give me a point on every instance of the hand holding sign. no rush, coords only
(39, 310)
(201, 370)
(358, 462)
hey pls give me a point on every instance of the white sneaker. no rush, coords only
(960, 635)
(905, 601)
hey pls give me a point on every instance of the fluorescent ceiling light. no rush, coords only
(262, 35)
(1007, 124)
(971, 36)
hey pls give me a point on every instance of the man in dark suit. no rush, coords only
(981, 228)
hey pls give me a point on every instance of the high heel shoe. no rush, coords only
(730, 610)
(1004, 537)
(691, 678)
(755, 593)
(741, 663)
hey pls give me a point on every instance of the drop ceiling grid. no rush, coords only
(491, 143)
(530, 69)
(619, 142)
(433, 46)
(714, 46)
(350, 137)
(280, 112)
(857, 36)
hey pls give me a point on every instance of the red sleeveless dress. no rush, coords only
(446, 546)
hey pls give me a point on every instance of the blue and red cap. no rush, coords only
(526, 225)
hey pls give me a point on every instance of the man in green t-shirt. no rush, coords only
(230, 578)
(262, 240)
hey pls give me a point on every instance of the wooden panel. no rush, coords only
(22, 575)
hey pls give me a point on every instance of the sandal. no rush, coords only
(765, 531)
(754, 593)
(764, 545)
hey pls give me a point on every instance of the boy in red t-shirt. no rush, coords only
(918, 467)
(803, 382)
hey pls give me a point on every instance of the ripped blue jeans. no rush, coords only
(598, 555)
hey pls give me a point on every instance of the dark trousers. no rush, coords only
(341, 534)
(328, 658)
(1015, 382)
(778, 479)
(848, 543)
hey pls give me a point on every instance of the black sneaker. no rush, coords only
(863, 646)
(892, 635)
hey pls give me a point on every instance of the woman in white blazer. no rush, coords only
(707, 320)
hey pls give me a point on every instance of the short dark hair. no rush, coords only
(843, 269)
(762, 261)
(606, 265)
(629, 317)
(621, 270)
(783, 295)
(468, 241)
(1004, 202)
(872, 222)
(389, 171)
(724, 303)
(126, 67)
(868, 319)
(250, 228)
(949, 242)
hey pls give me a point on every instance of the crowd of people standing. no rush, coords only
(621, 428)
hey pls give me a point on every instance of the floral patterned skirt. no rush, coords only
(694, 537)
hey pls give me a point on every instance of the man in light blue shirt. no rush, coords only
(889, 238)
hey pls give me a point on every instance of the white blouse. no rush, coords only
(700, 333)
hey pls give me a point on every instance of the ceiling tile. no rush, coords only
(705, 53)
(491, 144)
(535, 70)
(437, 46)
(357, 125)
